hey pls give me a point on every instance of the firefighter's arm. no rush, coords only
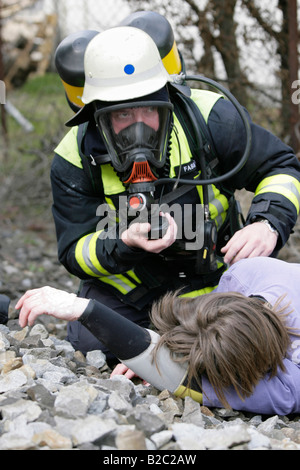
(272, 172)
(257, 239)
(85, 247)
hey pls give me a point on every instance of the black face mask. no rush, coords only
(138, 141)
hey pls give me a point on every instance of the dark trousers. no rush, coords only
(83, 340)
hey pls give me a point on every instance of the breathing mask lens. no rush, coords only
(136, 132)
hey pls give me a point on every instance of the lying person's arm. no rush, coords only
(134, 345)
(130, 343)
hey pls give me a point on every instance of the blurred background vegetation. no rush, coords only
(25, 167)
(249, 46)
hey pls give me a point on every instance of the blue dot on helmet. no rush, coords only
(129, 69)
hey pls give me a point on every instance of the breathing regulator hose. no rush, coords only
(206, 181)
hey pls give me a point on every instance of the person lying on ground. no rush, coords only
(237, 347)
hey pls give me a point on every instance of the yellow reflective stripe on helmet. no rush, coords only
(119, 282)
(85, 254)
(171, 61)
(286, 185)
(74, 94)
(183, 391)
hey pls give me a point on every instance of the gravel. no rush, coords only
(52, 397)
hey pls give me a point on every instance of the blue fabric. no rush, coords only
(270, 278)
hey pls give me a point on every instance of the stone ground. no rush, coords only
(52, 397)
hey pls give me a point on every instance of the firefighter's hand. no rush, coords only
(49, 301)
(253, 240)
(136, 236)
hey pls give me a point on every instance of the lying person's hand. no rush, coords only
(49, 301)
(121, 369)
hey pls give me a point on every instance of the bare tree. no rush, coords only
(2, 107)
(287, 41)
(217, 28)
(214, 23)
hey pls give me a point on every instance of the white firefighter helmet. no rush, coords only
(122, 63)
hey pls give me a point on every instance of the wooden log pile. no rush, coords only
(28, 41)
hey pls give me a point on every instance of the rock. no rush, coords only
(12, 381)
(29, 410)
(52, 440)
(54, 398)
(96, 359)
(131, 440)
(161, 438)
(74, 400)
(146, 421)
(192, 412)
(91, 429)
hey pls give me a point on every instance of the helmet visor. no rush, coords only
(135, 129)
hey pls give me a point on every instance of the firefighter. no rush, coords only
(126, 147)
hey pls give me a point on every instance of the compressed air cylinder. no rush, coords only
(69, 62)
(160, 30)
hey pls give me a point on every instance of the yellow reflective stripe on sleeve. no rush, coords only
(134, 276)
(93, 255)
(85, 254)
(86, 257)
(119, 282)
(218, 203)
(286, 185)
(197, 293)
(183, 391)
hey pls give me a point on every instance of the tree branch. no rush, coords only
(255, 12)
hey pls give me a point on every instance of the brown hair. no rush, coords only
(233, 339)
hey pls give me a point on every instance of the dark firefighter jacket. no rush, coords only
(272, 174)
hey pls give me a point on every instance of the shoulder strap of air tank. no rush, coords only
(90, 167)
(183, 106)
